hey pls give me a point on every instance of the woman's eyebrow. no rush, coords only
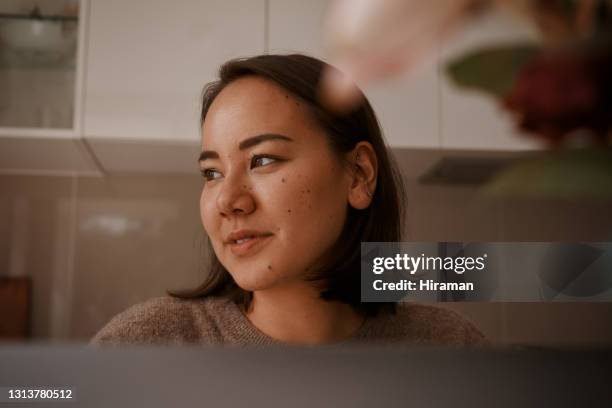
(255, 140)
(245, 144)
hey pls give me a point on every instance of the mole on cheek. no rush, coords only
(269, 266)
(288, 211)
(283, 180)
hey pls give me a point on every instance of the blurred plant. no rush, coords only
(561, 90)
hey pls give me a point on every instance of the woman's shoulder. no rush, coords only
(164, 320)
(431, 325)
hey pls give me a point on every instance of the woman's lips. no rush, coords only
(249, 246)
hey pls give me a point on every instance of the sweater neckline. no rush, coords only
(247, 333)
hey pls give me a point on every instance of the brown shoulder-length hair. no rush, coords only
(382, 221)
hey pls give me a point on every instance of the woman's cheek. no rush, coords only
(310, 213)
(203, 209)
(293, 198)
(208, 213)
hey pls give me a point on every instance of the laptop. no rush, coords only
(303, 377)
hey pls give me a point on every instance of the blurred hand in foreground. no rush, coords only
(370, 40)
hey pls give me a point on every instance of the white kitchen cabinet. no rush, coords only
(147, 61)
(41, 76)
(141, 65)
(407, 107)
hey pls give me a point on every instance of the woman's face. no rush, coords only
(274, 199)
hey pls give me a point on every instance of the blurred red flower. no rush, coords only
(559, 92)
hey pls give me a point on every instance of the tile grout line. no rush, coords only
(74, 186)
(266, 26)
(440, 112)
(504, 305)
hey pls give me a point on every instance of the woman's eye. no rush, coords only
(258, 161)
(210, 174)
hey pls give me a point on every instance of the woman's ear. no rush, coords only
(364, 170)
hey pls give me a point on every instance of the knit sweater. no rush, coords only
(219, 321)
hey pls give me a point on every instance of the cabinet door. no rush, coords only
(407, 107)
(41, 67)
(41, 78)
(148, 60)
(470, 119)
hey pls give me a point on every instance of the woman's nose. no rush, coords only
(234, 198)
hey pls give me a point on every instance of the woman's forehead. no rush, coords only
(250, 106)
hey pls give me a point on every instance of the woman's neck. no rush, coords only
(298, 315)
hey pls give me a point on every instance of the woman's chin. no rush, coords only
(253, 280)
(259, 279)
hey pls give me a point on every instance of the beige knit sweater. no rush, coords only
(219, 321)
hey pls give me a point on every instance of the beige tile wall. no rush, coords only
(95, 246)
(35, 227)
(136, 237)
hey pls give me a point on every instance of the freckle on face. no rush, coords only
(283, 179)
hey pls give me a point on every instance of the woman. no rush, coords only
(290, 191)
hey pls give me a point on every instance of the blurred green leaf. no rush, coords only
(579, 173)
(491, 70)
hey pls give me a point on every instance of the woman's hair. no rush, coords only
(382, 221)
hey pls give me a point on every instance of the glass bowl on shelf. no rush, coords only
(36, 42)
